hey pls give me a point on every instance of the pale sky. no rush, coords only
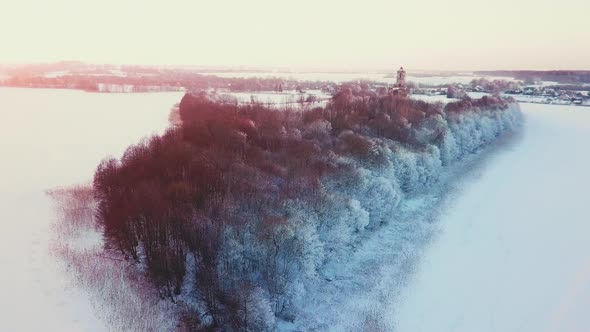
(419, 34)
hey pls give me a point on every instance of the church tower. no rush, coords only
(401, 78)
(400, 88)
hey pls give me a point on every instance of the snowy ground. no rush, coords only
(509, 254)
(281, 99)
(504, 249)
(52, 138)
(355, 76)
(360, 290)
(513, 252)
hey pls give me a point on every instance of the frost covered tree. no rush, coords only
(261, 200)
(253, 312)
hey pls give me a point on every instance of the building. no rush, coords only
(401, 78)
(400, 88)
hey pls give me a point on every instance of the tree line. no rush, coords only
(247, 202)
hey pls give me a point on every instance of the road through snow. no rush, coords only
(51, 138)
(514, 249)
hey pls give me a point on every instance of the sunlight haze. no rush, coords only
(444, 35)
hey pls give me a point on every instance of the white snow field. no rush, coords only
(48, 139)
(509, 253)
(513, 252)
(463, 78)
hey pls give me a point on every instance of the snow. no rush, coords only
(509, 254)
(279, 98)
(512, 252)
(355, 284)
(54, 74)
(433, 79)
(433, 99)
(307, 76)
(542, 100)
(292, 97)
(52, 138)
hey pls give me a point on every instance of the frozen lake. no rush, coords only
(513, 253)
(52, 138)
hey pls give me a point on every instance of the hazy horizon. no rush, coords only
(282, 69)
(457, 35)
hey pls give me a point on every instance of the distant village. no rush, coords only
(539, 92)
(554, 95)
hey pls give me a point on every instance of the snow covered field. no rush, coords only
(52, 138)
(510, 253)
(280, 99)
(345, 77)
(513, 251)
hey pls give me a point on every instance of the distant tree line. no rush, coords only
(142, 79)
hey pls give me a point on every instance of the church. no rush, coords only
(400, 88)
